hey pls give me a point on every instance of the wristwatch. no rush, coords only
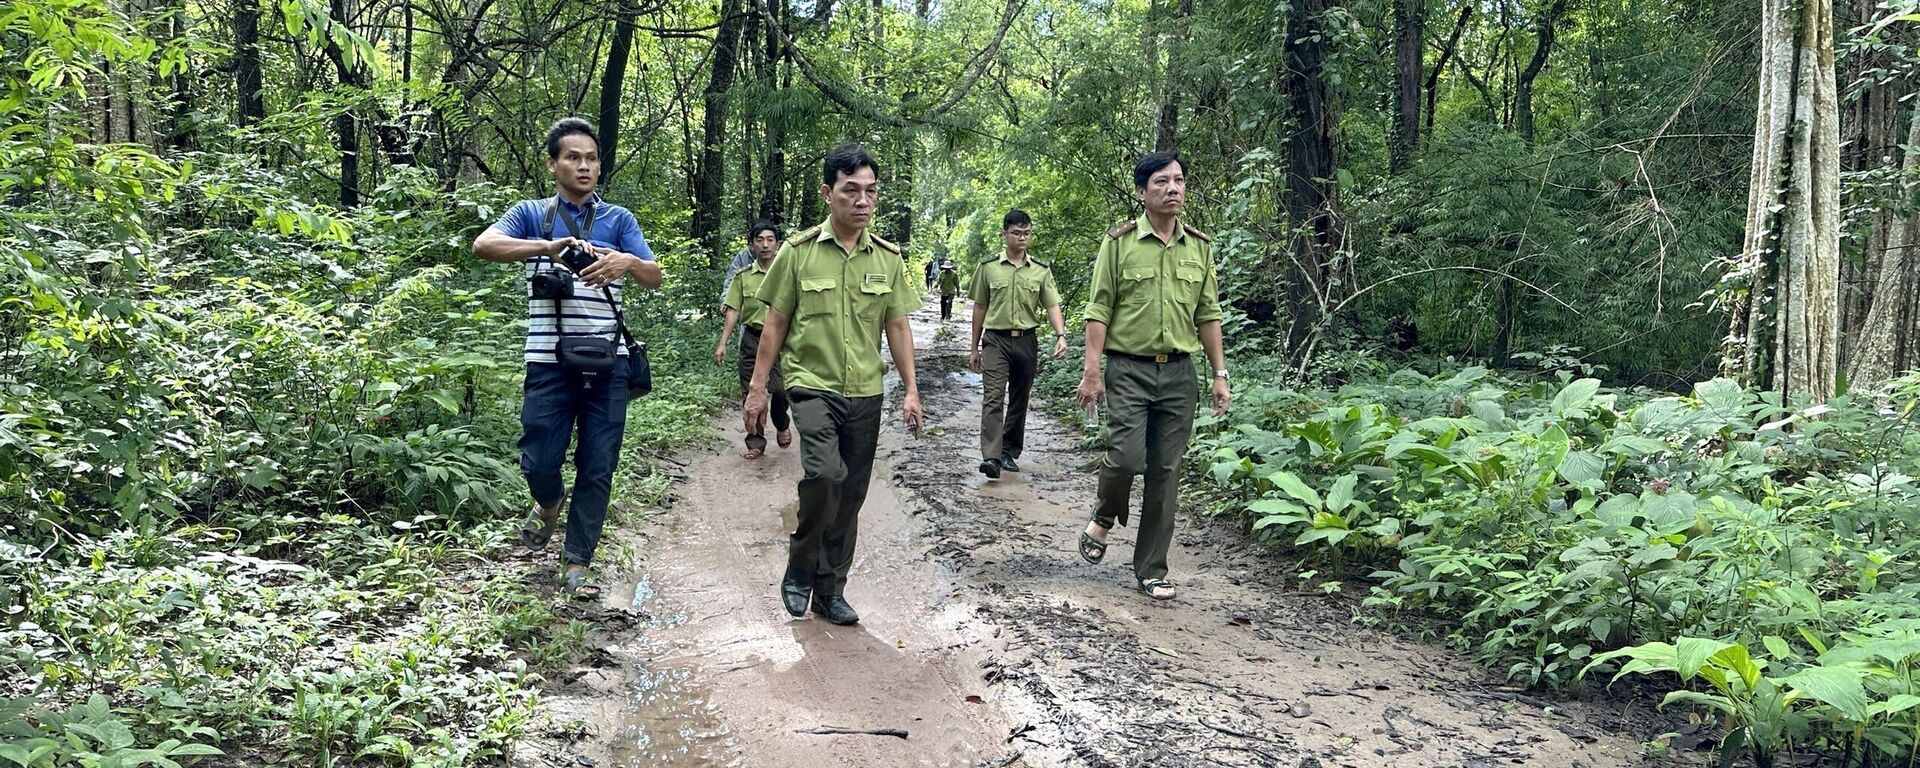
(1220, 374)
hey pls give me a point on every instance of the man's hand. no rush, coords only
(911, 412)
(756, 409)
(720, 353)
(554, 247)
(1059, 347)
(1222, 396)
(1091, 390)
(973, 360)
(612, 265)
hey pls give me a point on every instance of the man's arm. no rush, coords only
(900, 343)
(773, 338)
(726, 332)
(1212, 341)
(973, 339)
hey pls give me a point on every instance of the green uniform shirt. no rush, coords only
(949, 282)
(1015, 297)
(1151, 294)
(838, 305)
(743, 294)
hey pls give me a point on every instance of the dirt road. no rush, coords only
(989, 643)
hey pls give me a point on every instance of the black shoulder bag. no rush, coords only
(591, 357)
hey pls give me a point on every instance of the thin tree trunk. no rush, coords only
(711, 174)
(612, 82)
(246, 61)
(1409, 52)
(1792, 244)
(1310, 195)
(1446, 55)
(1545, 32)
(1167, 128)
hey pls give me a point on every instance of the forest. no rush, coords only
(1580, 336)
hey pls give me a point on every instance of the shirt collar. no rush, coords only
(1143, 229)
(1008, 260)
(826, 235)
(593, 201)
(755, 265)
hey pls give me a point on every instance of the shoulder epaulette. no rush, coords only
(885, 245)
(1204, 237)
(1123, 228)
(805, 235)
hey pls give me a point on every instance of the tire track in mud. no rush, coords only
(987, 638)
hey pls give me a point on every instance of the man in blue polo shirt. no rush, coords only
(556, 402)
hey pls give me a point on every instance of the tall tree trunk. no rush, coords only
(777, 75)
(1883, 343)
(1310, 196)
(1167, 128)
(1545, 32)
(346, 126)
(711, 175)
(1409, 52)
(612, 82)
(1791, 253)
(1446, 55)
(246, 62)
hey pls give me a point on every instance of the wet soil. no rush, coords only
(988, 642)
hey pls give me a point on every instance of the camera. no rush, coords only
(557, 284)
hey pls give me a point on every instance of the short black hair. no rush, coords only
(763, 225)
(1014, 218)
(1151, 164)
(568, 126)
(845, 159)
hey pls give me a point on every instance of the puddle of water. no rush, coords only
(664, 717)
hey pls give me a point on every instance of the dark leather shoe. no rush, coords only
(795, 596)
(1007, 464)
(835, 609)
(990, 468)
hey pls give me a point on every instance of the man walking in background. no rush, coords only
(834, 289)
(743, 305)
(1010, 296)
(949, 288)
(559, 400)
(1153, 303)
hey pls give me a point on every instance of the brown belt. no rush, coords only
(1170, 357)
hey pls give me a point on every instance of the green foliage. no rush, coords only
(1551, 521)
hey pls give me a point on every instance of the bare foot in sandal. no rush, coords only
(1158, 589)
(753, 454)
(1093, 543)
(784, 438)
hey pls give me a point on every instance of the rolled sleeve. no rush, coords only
(1208, 309)
(1105, 290)
(779, 289)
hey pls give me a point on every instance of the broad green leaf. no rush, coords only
(1291, 483)
(1690, 653)
(1580, 467)
(1574, 398)
(1839, 687)
(1341, 494)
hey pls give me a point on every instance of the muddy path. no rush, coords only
(990, 643)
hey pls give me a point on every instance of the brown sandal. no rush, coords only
(784, 438)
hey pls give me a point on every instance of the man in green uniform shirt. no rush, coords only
(831, 293)
(1010, 295)
(1154, 302)
(745, 307)
(949, 288)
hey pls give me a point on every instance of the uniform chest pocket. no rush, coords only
(817, 295)
(873, 299)
(1136, 284)
(1186, 291)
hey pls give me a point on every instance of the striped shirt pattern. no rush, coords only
(588, 312)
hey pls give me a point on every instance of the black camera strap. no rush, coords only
(573, 230)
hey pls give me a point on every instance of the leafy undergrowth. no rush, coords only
(1759, 556)
(259, 482)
